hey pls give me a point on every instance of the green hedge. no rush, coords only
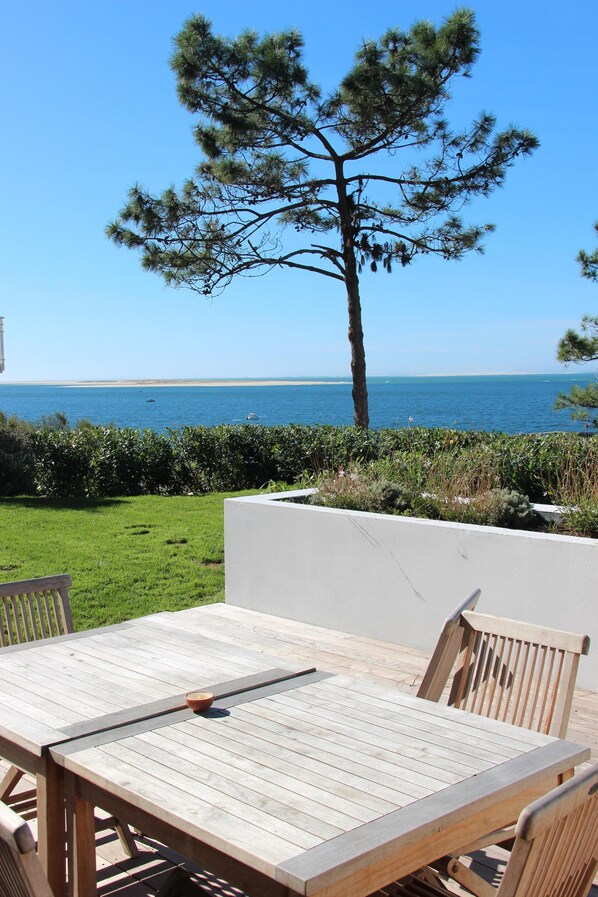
(106, 461)
(16, 457)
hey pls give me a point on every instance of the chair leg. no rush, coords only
(13, 776)
(469, 879)
(9, 781)
(123, 831)
(430, 876)
(126, 838)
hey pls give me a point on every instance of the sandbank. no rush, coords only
(90, 384)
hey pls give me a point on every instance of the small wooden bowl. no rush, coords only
(199, 700)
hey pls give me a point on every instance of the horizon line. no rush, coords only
(305, 380)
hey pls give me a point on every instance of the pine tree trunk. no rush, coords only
(355, 332)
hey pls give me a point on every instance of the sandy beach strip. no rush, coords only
(91, 384)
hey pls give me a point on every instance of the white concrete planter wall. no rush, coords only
(397, 578)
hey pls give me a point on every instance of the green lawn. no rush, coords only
(127, 556)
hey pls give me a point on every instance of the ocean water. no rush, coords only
(510, 403)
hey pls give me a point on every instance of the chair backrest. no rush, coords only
(556, 843)
(507, 670)
(33, 609)
(21, 873)
(445, 653)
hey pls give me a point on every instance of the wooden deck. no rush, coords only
(373, 661)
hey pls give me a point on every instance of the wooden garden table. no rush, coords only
(63, 688)
(319, 786)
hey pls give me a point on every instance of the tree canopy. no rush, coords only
(368, 175)
(580, 348)
(588, 261)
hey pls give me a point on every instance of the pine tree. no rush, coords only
(368, 175)
(588, 262)
(580, 348)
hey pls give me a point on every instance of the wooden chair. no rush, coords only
(21, 873)
(507, 670)
(31, 610)
(555, 852)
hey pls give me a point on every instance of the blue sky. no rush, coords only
(89, 107)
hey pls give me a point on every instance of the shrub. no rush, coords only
(212, 459)
(514, 511)
(358, 493)
(101, 461)
(64, 463)
(581, 520)
(343, 491)
(492, 507)
(16, 457)
(55, 459)
(390, 497)
(366, 492)
(575, 490)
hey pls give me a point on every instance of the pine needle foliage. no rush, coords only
(580, 347)
(588, 261)
(370, 175)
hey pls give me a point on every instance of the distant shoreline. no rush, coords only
(255, 382)
(119, 384)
